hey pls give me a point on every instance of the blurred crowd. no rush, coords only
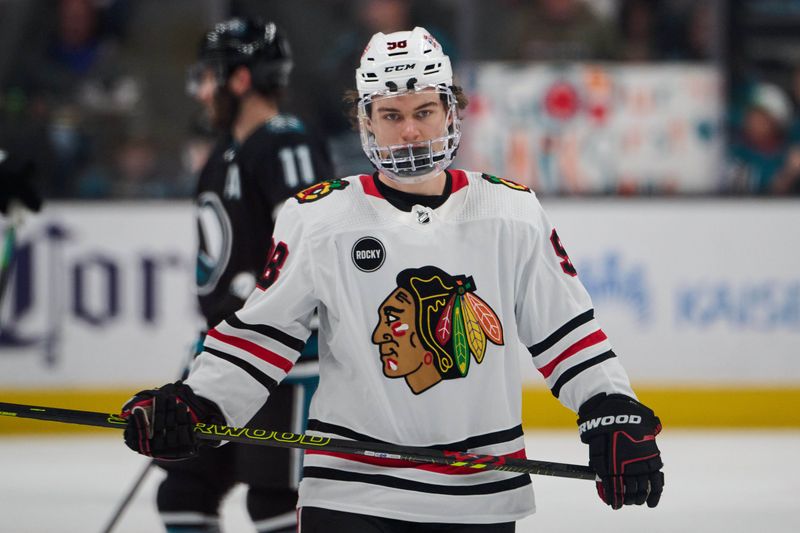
(92, 90)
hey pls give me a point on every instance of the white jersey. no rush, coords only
(423, 316)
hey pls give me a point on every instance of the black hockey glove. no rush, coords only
(161, 421)
(621, 434)
(16, 182)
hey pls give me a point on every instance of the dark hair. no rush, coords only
(351, 97)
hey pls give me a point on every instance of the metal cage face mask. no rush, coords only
(416, 161)
(197, 72)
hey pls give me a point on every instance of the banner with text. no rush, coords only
(701, 292)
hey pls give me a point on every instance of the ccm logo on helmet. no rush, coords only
(608, 420)
(397, 68)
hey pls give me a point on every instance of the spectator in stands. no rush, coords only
(137, 172)
(562, 30)
(494, 14)
(641, 30)
(700, 32)
(760, 153)
(787, 181)
(78, 81)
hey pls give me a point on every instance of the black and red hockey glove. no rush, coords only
(161, 421)
(621, 434)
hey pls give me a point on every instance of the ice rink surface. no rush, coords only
(720, 481)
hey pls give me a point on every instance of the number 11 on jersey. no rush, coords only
(296, 161)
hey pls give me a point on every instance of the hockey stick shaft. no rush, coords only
(122, 506)
(284, 439)
(7, 256)
(128, 497)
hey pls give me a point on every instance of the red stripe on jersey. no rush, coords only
(369, 186)
(459, 180)
(400, 463)
(254, 349)
(590, 340)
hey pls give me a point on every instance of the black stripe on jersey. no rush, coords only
(416, 486)
(496, 437)
(560, 333)
(268, 331)
(577, 369)
(257, 374)
(318, 425)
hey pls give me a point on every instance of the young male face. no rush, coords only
(408, 118)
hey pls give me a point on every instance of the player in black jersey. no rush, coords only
(262, 158)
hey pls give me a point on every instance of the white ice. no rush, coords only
(720, 481)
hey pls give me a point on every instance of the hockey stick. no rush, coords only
(123, 505)
(284, 439)
(7, 258)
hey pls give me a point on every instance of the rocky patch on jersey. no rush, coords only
(368, 254)
(321, 190)
(508, 183)
(431, 326)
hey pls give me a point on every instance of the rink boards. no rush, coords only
(700, 298)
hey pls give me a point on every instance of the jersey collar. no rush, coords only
(458, 180)
(455, 200)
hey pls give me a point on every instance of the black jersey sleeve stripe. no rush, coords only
(493, 487)
(560, 333)
(477, 441)
(268, 331)
(258, 375)
(577, 369)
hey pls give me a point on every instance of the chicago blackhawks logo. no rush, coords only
(508, 183)
(431, 326)
(320, 190)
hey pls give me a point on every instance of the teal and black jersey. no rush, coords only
(239, 192)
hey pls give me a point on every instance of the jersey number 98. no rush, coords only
(566, 264)
(275, 260)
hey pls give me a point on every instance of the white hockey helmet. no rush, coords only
(396, 64)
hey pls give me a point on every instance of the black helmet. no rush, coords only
(254, 43)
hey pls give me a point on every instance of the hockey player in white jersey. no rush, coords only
(429, 282)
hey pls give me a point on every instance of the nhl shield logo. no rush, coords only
(368, 254)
